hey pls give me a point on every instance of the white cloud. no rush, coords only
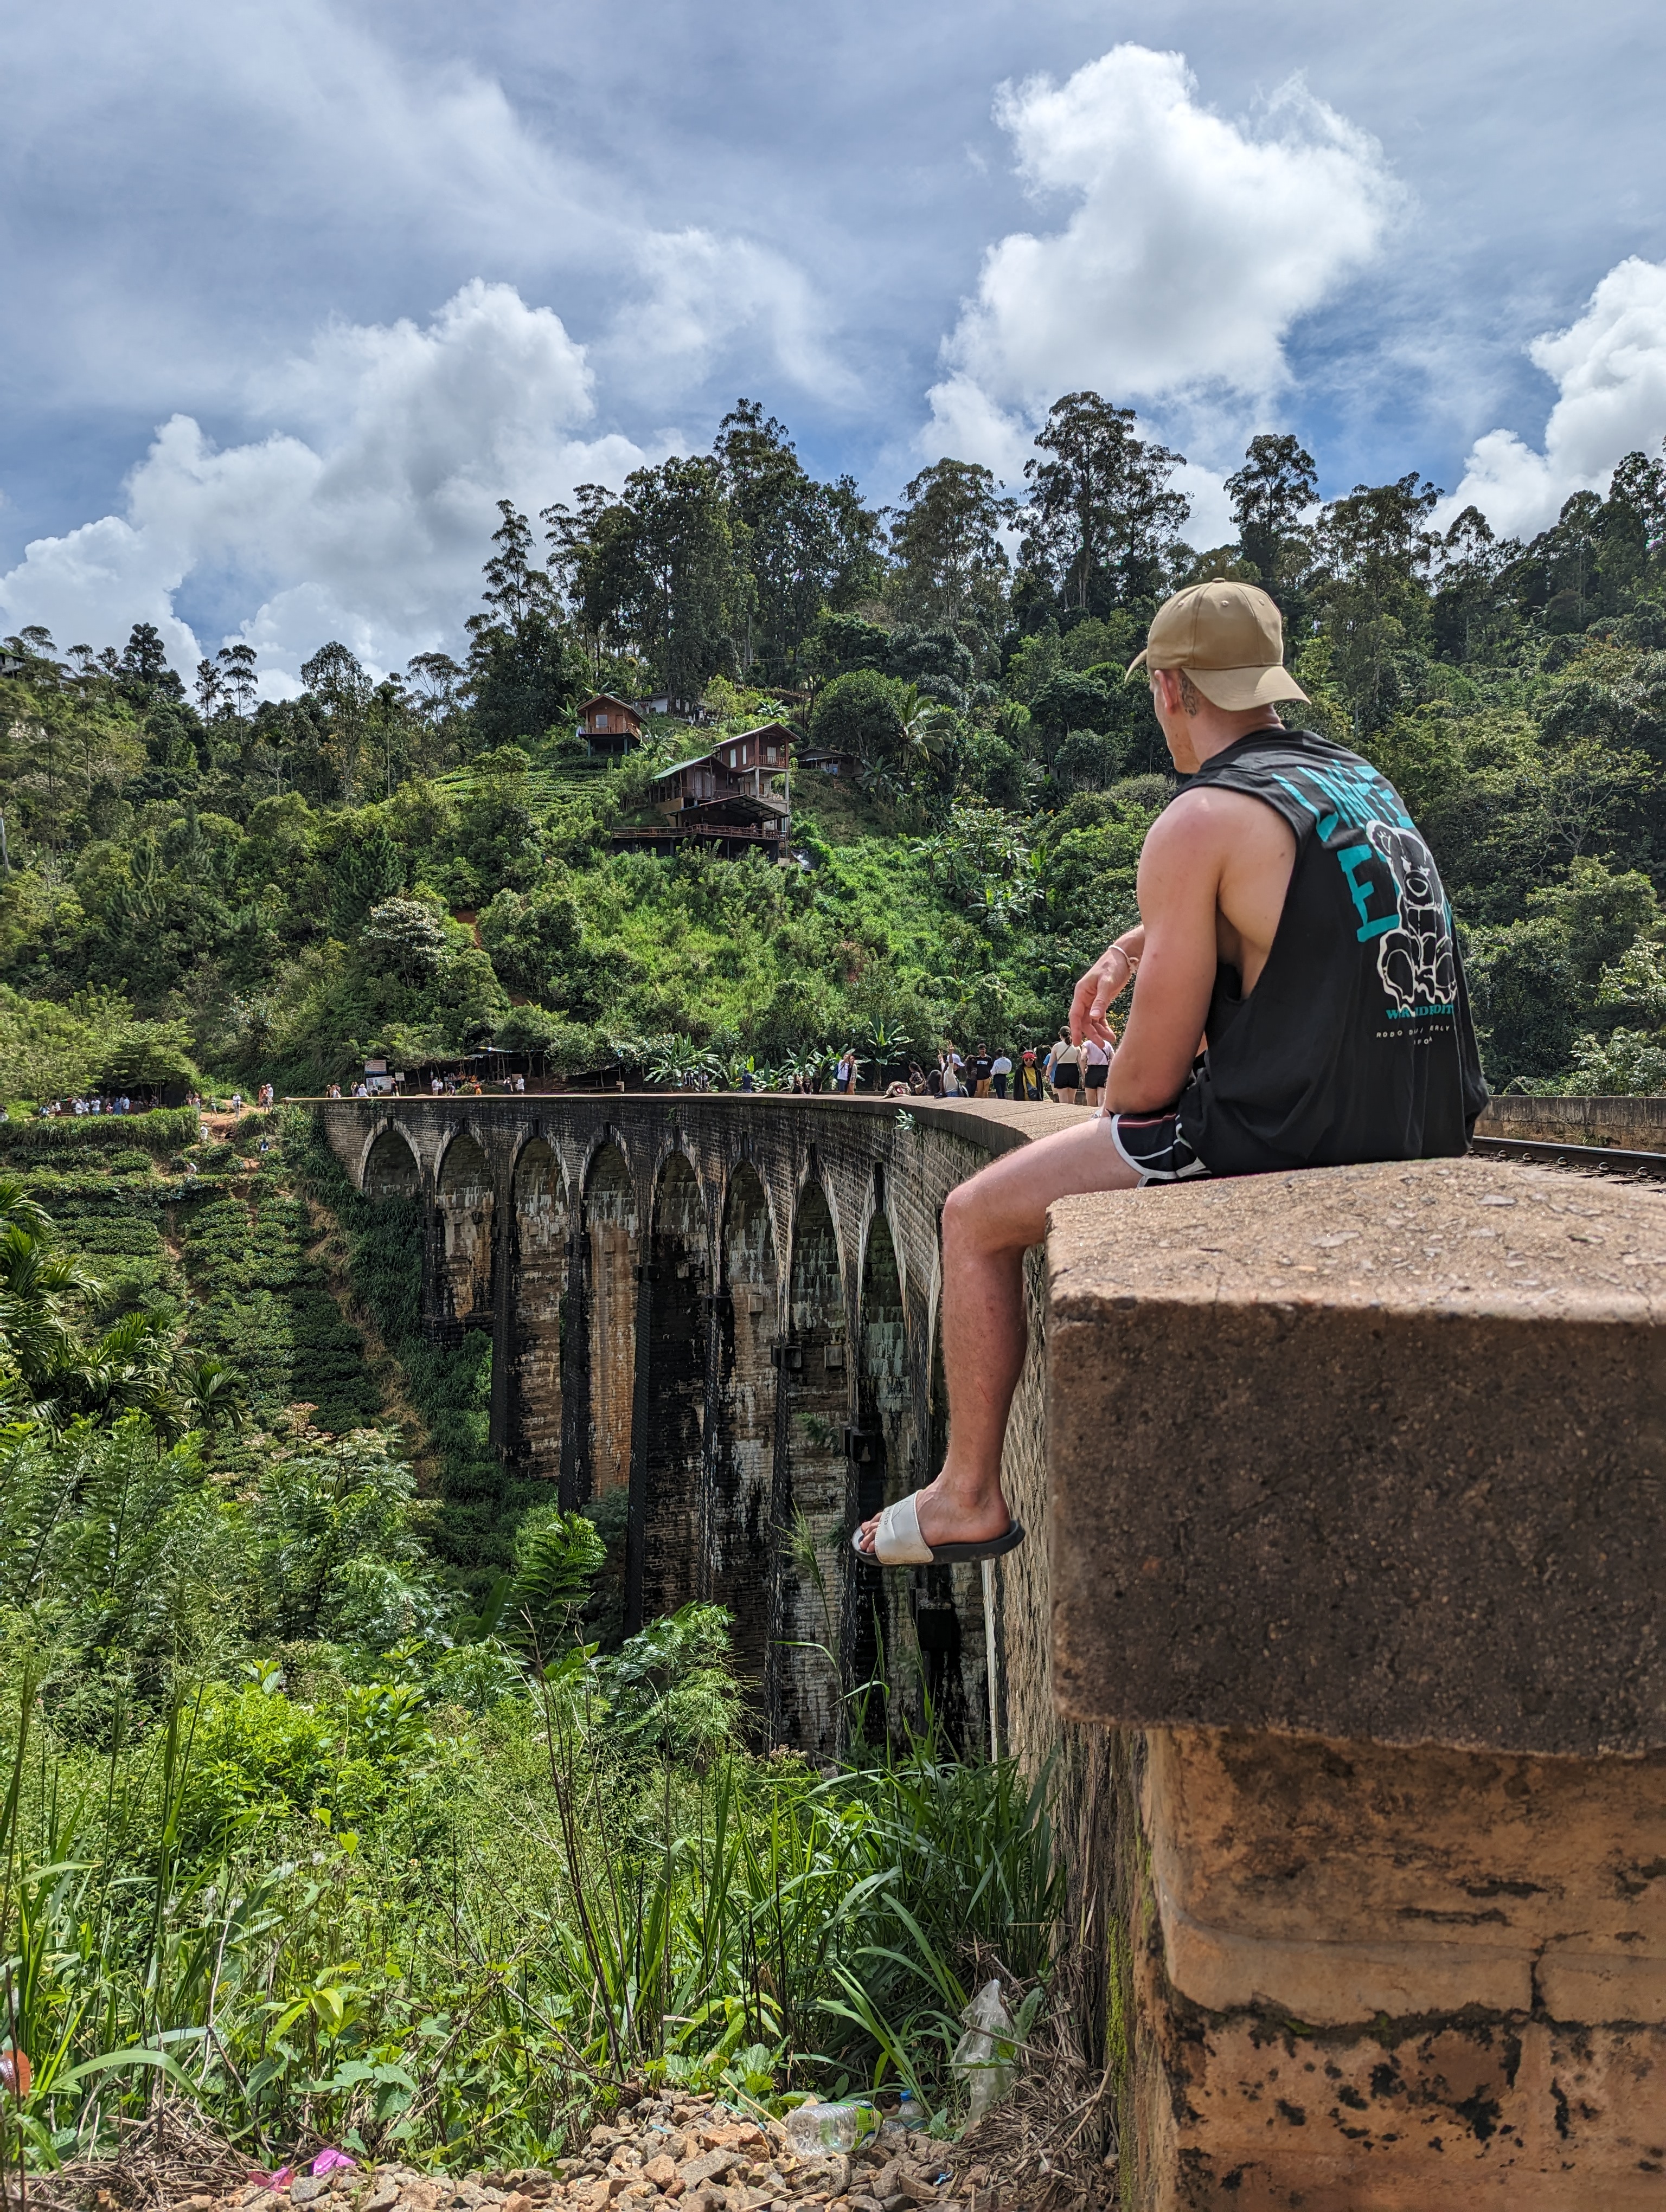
(1609, 369)
(370, 528)
(206, 165)
(710, 298)
(1195, 246)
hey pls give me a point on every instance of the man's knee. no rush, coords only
(973, 1212)
(957, 1208)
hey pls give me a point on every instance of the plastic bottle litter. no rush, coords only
(815, 2130)
(983, 2061)
(908, 2113)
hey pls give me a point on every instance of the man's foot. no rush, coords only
(948, 1517)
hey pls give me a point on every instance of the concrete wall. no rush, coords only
(1342, 1615)
(1370, 1595)
(1633, 1124)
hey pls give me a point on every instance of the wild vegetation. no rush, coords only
(347, 1811)
(418, 865)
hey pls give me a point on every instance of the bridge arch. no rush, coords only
(670, 1394)
(879, 1439)
(389, 1167)
(815, 1492)
(739, 1535)
(465, 1202)
(537, 1260)
(607, 1254)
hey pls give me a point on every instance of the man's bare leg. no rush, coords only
(988, 1224)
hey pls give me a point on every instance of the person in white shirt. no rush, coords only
(999, 1068)
(950, 1063)
(1096, 1059)
(1064, 1068)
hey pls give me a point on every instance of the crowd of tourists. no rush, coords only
(94, 1103)
(1073, 1075)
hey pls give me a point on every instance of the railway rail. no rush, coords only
(1592, 1159)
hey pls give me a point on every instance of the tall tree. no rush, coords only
(342, 690)
(435, 698)
(1377, 549)
(237, 664)
(525, 673)
(1100, 514)
(654, 571)
(1472, 611)
(945, 541)
(144, 663)
(800, 541)
(1273, 496)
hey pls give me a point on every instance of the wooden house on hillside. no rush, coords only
(847, 765)
(610, 726)
(705, 801)
(756, 756)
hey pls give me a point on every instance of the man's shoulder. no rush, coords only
(1203, 813)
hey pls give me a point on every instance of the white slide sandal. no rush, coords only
(897, 1542)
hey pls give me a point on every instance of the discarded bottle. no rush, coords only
(984, 2058)
(908, 2113)
(817, 2131)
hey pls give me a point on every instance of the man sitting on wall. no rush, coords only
(1301, 1003)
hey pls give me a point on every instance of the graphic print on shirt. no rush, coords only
(1392, 880)
(1415, 956)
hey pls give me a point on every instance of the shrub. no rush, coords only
(861, 713)
(163, 1131)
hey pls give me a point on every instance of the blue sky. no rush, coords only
(293, 291)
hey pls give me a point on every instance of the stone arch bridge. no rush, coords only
(727, 1310)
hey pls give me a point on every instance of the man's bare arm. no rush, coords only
(1103, 984)
(1179, 881)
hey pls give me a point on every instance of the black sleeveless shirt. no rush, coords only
(1356, 1042)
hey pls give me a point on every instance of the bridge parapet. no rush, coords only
(1358, 1513)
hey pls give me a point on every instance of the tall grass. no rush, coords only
(451, 1933)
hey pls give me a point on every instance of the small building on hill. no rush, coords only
(705, 801)
(756, 756)
(610, 726)
(847, 765)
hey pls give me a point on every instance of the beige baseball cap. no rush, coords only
(1229, 638)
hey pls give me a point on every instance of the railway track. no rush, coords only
(1592, 1159)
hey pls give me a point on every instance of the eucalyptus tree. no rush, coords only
(655, 570)
(950, 562)
(237, 678)
(1377, 548)
(802, 544)
(525, 673)
(341, 689)
(1276, 496)
(1101, 512)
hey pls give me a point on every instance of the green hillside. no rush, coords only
(271, 891)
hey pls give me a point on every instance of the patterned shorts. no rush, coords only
(1152, 1145)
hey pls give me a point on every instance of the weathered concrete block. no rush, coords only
(1365, 1452)
(1356, 1510)
(1371, 1976)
